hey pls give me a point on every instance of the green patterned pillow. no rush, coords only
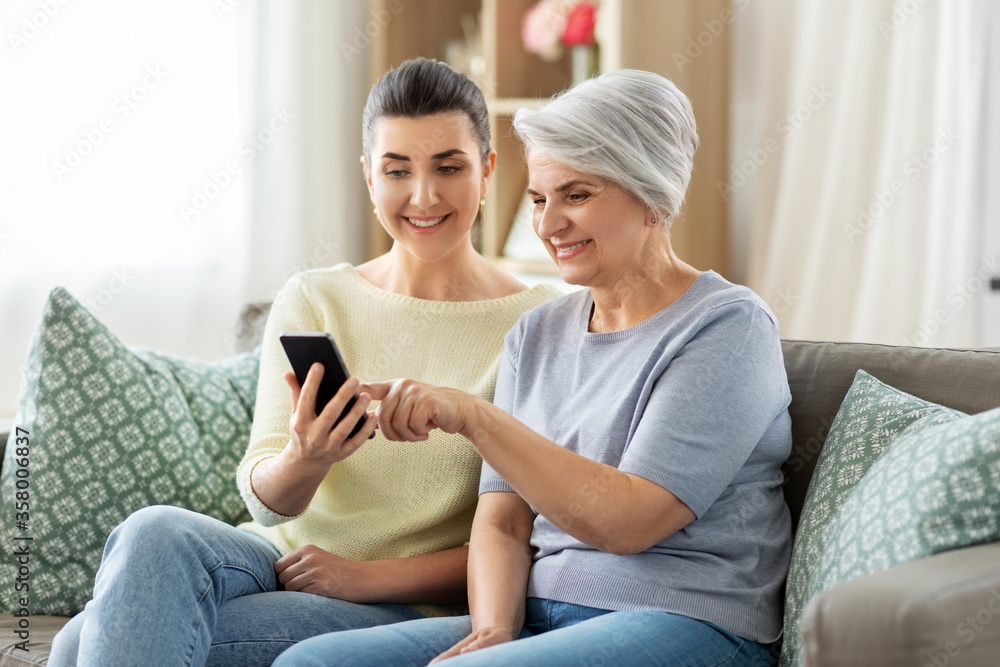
(936, 489)
(871, 418)
(113, 429)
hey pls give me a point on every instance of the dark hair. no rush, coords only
(421, 87)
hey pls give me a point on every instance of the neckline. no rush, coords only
(481, 304)
(624, 334)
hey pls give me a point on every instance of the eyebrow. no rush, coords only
(436, 156)
(564, 186)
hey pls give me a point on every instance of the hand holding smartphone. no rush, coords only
(304, 348)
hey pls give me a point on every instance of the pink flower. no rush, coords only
(580, 23)
(542, 28)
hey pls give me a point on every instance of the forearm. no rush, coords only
(595, 503)
(434, 578)
(499, 564)
(498, 580)
(286, 486)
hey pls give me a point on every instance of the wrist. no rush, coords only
(375, 578)
(481, 422)
(497, 627)
(292, 462)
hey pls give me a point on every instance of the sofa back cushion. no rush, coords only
(819, 375)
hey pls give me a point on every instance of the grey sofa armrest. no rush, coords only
(942, 610)
(43, 630)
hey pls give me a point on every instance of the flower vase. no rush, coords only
(583, 62)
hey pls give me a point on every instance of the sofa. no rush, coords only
(937, 610)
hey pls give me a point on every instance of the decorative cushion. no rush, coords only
(871, 417)
(936, 489)
(819, 375)
(112, 429)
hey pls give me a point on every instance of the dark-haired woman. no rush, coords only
(346, 533)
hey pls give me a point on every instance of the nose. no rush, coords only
(549, 222)
(424, 194)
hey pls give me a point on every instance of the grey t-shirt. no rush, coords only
(694, 399)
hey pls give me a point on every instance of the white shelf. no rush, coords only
(508, 106)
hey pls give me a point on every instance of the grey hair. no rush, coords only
(630, 127)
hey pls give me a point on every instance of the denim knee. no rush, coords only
(156, 532)
(151, 524)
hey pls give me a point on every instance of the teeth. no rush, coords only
(426, 223)
(574, 247)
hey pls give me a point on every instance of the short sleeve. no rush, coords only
(711, 406)
(503, 398)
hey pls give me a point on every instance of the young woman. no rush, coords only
(347, 532)
(631, 510)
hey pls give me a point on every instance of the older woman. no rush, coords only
(630, 505)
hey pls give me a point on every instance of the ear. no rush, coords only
(657, 219)
(488, 168)
(368, 178)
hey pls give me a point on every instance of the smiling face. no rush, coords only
(426, 176)
(593, 229)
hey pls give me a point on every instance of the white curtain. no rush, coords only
(309, 205)
(989, 301)
(856, 166)
(167, 162)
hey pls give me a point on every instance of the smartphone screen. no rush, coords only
(304, 348)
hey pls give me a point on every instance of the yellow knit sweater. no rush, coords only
(388, 499)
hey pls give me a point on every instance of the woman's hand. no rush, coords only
(410, 409)
(310, 569)
(314, 438)
(286, 483)
(438, 577)
(478, 639)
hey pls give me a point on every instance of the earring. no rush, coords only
(482, 204)
(375, 211)
(654, 219)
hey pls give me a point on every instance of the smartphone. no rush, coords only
(304, 348)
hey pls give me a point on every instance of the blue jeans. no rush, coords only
(555, 634)
(180, 588)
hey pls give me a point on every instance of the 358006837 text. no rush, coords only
(22, 548)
